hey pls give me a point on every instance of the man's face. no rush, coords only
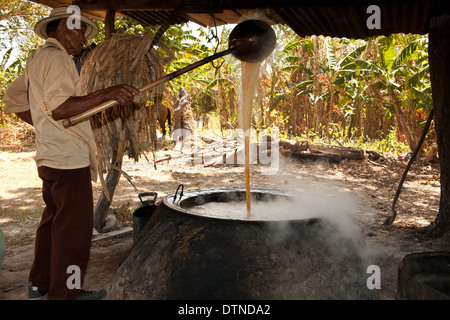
(72, 39)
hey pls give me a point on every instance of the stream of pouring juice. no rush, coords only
(250, 73)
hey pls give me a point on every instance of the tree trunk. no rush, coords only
(401, 120)
(109, 23)
(439, 59)
(112, 179)
(318, 106)
(355, 118)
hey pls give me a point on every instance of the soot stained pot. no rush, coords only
(181, 255)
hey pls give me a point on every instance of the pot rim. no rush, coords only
(177, 205)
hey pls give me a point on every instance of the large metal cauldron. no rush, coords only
(180, 255)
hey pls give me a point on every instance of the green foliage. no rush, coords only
(17, 19)
(326, 88)
(17, 40)
(8, 73)
(388, 144)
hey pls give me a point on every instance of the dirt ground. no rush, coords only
(371, 184)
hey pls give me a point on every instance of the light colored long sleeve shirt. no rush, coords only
(49, 79)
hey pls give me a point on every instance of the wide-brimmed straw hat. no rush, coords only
(61, 12)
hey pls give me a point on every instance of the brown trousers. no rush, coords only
(64, 234)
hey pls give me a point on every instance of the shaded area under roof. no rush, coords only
(329, 18)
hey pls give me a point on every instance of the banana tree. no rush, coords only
(332, 95)
(393, 74)
(298, 89)
(345, 92)
(406, 79)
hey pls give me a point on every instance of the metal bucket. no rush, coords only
(424, 276)
(144, 213)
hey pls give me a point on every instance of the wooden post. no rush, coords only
(109, 23)
(112, 179)
(439, 59)
(113, 176)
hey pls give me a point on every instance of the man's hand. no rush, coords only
(122, 93)
(25, 116)
(73, 106)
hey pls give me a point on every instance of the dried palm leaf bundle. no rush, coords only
(123, 59)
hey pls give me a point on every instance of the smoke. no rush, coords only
(313, 198)
(311, 232)
(337, 209)
(338, 232)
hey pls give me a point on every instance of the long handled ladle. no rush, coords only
(250, 41)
